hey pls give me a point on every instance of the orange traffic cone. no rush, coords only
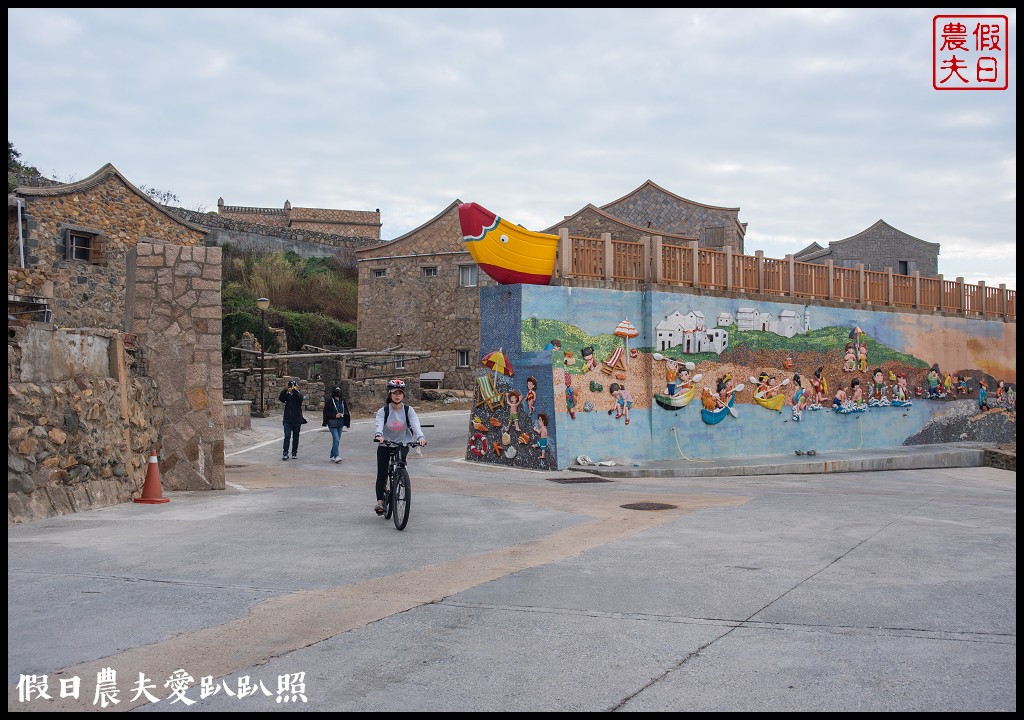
(152, 491)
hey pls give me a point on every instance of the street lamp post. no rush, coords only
(263, 303)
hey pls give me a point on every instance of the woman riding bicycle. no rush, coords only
(396, 422)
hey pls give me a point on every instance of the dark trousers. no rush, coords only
(383, 453)
(291, 432)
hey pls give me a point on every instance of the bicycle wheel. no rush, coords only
(388, 499)
(401, 499)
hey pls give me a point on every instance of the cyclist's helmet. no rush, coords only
(396, 384)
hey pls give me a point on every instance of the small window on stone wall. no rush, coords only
(380, 272)
(467, 276)
(83, 246)
(429, 272)
(400, 364)
(462, 358)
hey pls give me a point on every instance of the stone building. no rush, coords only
(353, 223)
(652, 210)
(422, 291)
(878, 247)
(114, 323)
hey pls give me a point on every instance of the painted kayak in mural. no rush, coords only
(713, 417)
(674, 402)
(773, 403)
(510, 254)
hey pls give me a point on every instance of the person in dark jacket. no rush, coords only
(293, 420)
(336, 417)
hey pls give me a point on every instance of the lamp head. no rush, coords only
(263, 303)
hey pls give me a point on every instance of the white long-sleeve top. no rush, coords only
(396, 431)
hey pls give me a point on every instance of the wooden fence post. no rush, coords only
(565, 268)
(917, 288)
(981, 297)
(889, 281)
(792, 275)
(829, 279)
(961, 294)
(862, 295)
(759, 254)
(609, 259)
(696, 268)
(657, 260)
(942, 292)
(728, 267)
(646, 261)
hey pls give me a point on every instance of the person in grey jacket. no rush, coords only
(293, 420)
(336, 418)
(395, 422)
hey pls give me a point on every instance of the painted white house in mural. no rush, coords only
(691, 333)
(724, 319)
(788, 324)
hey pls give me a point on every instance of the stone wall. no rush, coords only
(237, 415)
(260, 234)
(178, 321)
(80, 427)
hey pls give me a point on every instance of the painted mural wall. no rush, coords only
(634, 377)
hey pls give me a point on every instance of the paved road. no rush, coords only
(885, 591)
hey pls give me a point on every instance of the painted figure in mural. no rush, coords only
(724, 388)
(685, 381)
(900, 393)
(1000, 393)
(850, 359)
(568, 358)
(934, 383)
(983, 395)
(570, 396)
(878, 393)
(512, 399)
(856, 393)
(589, 361)
(801, 399)
(531, 392)
(839, 401)
(763, 386)
(541, 428)
(622, 401)
(819, 386)
(554, 345)
(1011, 398)
(947, 385)
(862, 356)
(961, 385)
(671, 376)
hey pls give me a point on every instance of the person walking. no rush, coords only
(395, 422)
(336, 417)
(293, 420)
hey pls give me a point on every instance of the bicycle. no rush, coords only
(397, 487)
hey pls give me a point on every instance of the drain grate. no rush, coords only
(584, 479)
(648, 506)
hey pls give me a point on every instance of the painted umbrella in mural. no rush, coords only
(498, 362)
(626, 330)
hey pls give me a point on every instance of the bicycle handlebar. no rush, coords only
(391, 443)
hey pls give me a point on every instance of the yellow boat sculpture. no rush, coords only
(508, 253)
(773, 403)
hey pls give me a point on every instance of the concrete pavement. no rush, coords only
(890, 590)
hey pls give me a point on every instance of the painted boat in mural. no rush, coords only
(507, 252)
(713, 417)
(674, 402)
(773, 403)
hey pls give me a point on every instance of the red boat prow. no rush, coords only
(475, 219)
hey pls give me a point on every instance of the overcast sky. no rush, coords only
(816, 123)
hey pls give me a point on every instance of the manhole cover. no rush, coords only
(648, 506)
(585, 479)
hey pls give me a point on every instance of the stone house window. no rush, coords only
(83, 245)
(429, 271)
(714, 236)
(400, 364)
(462, 358)
(380, 272)
(467, 276)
